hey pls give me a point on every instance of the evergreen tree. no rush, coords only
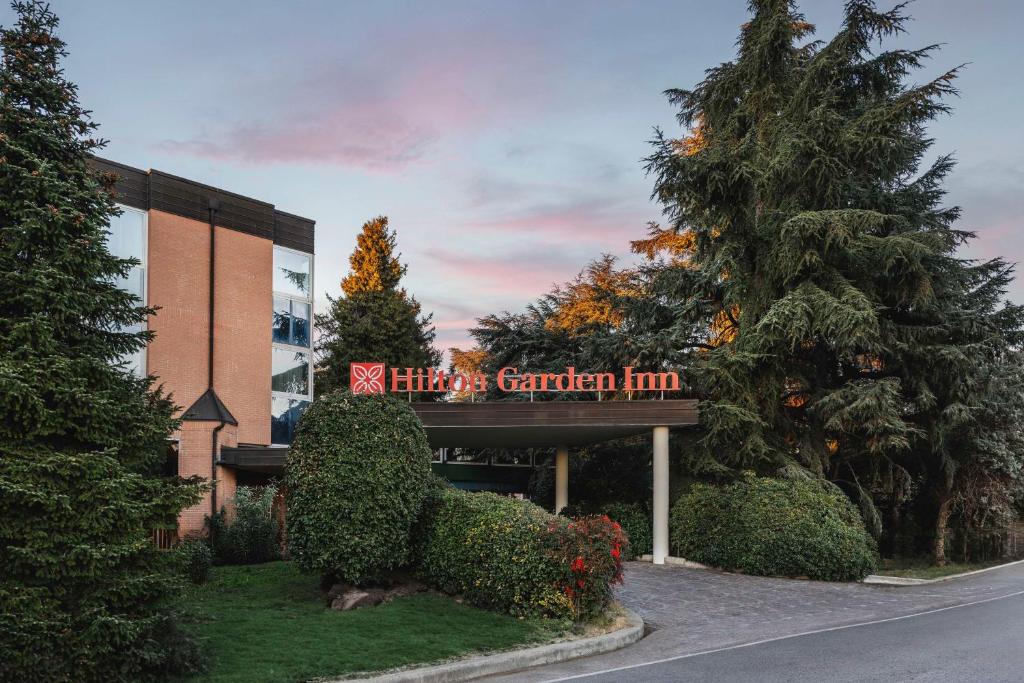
(374, 320)
(858, 342)
(83, 591)
(375, 267)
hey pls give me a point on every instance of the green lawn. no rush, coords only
(268, 623)
(918, 568)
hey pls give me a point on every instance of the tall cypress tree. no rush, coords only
(817, 234)
(375, 320)
(83, 592)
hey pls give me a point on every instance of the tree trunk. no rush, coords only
(941, 521)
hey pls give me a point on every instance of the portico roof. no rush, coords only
(521, 424)
(513, 424)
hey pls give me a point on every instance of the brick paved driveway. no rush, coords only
(693, 610)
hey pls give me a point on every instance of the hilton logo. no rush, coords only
(366, 378)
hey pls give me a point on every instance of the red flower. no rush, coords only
(616, 552)
(577, 564)
(580, 583)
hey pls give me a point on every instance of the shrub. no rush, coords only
(196, 559)
(774, 527)
(512, 556)
(357, 474)
(636, 523)
(249, 535)
(634, 520)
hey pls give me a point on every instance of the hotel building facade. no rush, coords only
(232, 279)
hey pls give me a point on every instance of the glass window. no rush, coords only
(467, 456)
(291, 273)
(126, 238)
(290, 322)
(284, 415)
(300, 324)
(290, 372)
(281, 329)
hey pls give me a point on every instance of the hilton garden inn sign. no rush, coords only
(372, 378)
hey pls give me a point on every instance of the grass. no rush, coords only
(921, 568)
(268, 623)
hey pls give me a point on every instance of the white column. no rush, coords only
(660, 503)
(561, 478)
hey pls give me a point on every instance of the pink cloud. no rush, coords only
(386, 110)
(515, 275)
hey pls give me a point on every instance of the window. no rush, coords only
(291, 273)
(290, 374)
(127, 239)
(291, 381)
(291, 321)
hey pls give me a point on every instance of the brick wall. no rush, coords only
(178, 284)
(178, 356)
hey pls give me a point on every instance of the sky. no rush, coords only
(504, 140)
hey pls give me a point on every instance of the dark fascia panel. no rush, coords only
(182, 197)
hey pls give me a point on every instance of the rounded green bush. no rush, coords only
(774, 527)
(356, 478)
(513, 556)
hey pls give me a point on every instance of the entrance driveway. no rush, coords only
(695, 610)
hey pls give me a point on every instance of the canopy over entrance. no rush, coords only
(520, 424)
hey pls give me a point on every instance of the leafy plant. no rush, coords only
(196, 559)
(248, 533)
(512, 556)
(774, 527)
(358, 471)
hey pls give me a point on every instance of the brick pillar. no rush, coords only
(195, 440)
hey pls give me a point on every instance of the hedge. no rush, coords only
(774, 527)
(512, 556)
(356, 478)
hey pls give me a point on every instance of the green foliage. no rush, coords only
(512, 556)
(357, 473)
(84, 595)
(196, 559)
(634, 519)
(248, 534)
(636, 522)
(773, 527)
(859, 340)
(375, 320)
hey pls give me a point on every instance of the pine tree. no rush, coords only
(374, 320)
(857, 336)
(375, 267)
(83, 592)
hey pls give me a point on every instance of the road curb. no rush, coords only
(883, 580)
(513, 660)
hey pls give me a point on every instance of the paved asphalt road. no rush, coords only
(714, 626)
(979, 642)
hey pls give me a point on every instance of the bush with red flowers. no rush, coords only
(512, 556)
(589, 551)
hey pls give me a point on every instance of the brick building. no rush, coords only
(211, 255)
